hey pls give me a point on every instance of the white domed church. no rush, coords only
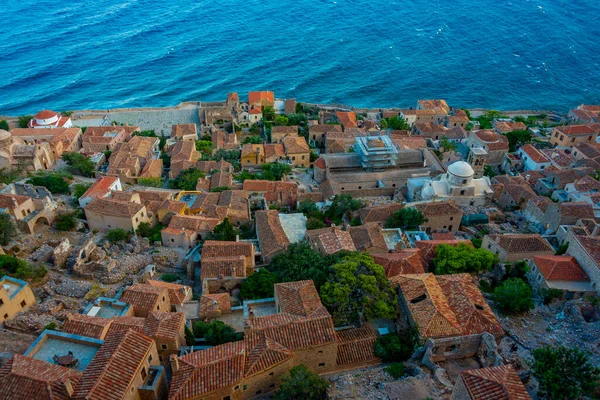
(456, 184)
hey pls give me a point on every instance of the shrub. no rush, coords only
(514, 296)
(145, 229)
(302, 383)
(397, 346)
(187, 179)
(24, 120)
(117, 235)
(462, 258)
(96, 291)
(396, 370)
(18, 268)
(50, 327)
(79, 164)
(315, 223)
(224, 231)
(216, 332)
(550, 294)
(79, 189)
(190, 340)
(65, 222)
(7, 229)
(151, 182)
(54, 182)
(169, 277)
(4, 125)
(565, 373)
(259, 285)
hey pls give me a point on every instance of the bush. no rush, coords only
(65, 222)
(406, 218)
(397, 346)
(302, 383)
(190, 340)
(4, 125)
(20, 269)
(216, 332)
(151, 182)
(169, 277)
(7, 229)
(315, 223)
(514, 296)
(396, 370)
(224, 231)
(50, 327)
(274, 171)
(565, 373)
(79, 189)
(54, 182)
(550, 294)
(462, 258)
(24, 120)
(145, 229)
(117, 235)
(259, 285)
(187, 179)
(79, 164)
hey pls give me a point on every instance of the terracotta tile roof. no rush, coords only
(252, 149)
(410, 143)
(446, 305)
(184, 130)
(356, 346)
(164, 325)
(576, 210)
(379, 213)
(368, 236)
(442, 236)
(432, 104)
(152, 169)
(11, 201)
(24, 378)
(221, 179)
(536, 155)
(492, 140)
(347, 119)
(574, 130)
(438, 208)
(332, 240)
(591, 244)
(124, 323)
(282, 130)
(261, 98)
(505, 127)
(560, 268)
(426, 128)
(335, 145)
(325, 128)
(208, 370)
(587, 184)
(232, 266)
(274, 152)
(211, 303)
(178, 294)
(216, 248)
(114, 207)
(114, 367)
(295, 145)
(521, 243)
(407, 261)
(184, 150)
(428, 247)
(264, 353)
(173, 206)
(519, 192)
(101, 187)
(559, 157)
(86, 325)
(494, 383)
(101, 130)
(298, 298)
(144, 297)
(271, 235)
(193, 223)
(587, 150)
(255, 110)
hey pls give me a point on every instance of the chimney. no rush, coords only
(68, 389)
(251, 314)
(527, 177)
(237, 238)
(174, 363)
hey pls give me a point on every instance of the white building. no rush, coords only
(49, 119)
(533, 159)
(457, 184)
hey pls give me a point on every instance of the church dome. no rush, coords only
(461, 169)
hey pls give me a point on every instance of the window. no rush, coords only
(144, 373)
(270, 374)
(5, 316)
(228, 397)
(236, 388)
(1, 302)
(150, 358)
(164, 298)
(462, 192)
(136, 219)
(172, 240)
(418, 299)
(320, 351)
(450, 228)
(258, 392)
(157, 307)
(23, 304)
(451, 218)
(321, 364)
(303, 157)
(479, 307)
(272, 386)
(163, 346)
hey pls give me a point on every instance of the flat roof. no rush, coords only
(294, 226)
(12, 285)
(51, 343)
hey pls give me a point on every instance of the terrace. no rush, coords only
(12, 285)
(105, 307)
(52, 345)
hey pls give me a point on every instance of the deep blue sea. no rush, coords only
(76, 54)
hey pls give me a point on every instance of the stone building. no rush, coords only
(129, 160)
(225, 265)
(146, 299)
(185, 132)
(297, 151)
(279, 133)
(282, 194)
(16, 206)
(516, 247)
(496, 145)
(15, 152)
(270, 233)
(586, 250)
(98, 139)
(102, 188)
(493, 383)
(443, 216)
(572, 135)
(330, 240)
(15, 296)
(104, 214)
(562, 273)
(48, 119)
(318, 133)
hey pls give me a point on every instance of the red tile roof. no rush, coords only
(101, 187)
(232, 266)
(9, 200)
(114, 367)
(438, 208)
(216, 248)
(298, 298)
(271, 235)
(407, 261)
(368, 236)
(211, 303)
(494, 383)
(521, 243)
(86, 325)
(144, 297)
(560, 268)
(24, 378)
(347, 119)
(178, 294)
(536, 155)
(573, 130)
(378, 213)
(264, 353)
(332, 240)
(164, 325)
(261, 98)
(356, 346)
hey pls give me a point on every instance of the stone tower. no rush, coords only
(477, 158)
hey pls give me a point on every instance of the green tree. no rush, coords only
(274, 171)
(397, 346)
(254, 139)
(79, 189)
(145, 229)
(219, 189)
(309, 208)
(117, 235)
(24, 120)
(187, 179)
(485, 120)
(517, 139)
(315, 223)
(406, 218)
(7, 229)
(342, 205)
(383, 124)
(281, 120)
(313, 156)
(302, 383)
(224, 231)
(462, 258)
(20, 269)
(513, 296)
(169, 277)
(357, 287)
(215, 332)
(297, 119)
(447, 145)
(4, 125)
(398, 123)
(396, 370)
(156, 182)
(268, 113)
(259, 285)
(79, 164)
(54, 182)
(565, 373)
(204, 146)
(301, 262)
(65, 222)
(231, 156)
(489, 171)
